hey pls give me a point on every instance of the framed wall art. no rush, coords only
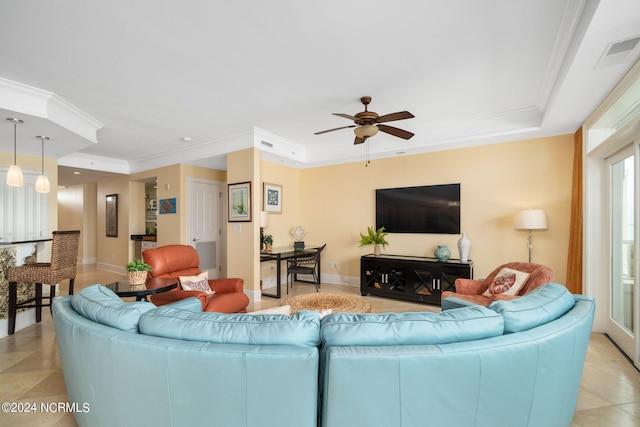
(167, 206)
(272, 195)
(239, 202)
(112, 215)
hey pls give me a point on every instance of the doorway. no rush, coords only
(623, 214)
(205, 202)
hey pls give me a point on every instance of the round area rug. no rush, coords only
(335, 302)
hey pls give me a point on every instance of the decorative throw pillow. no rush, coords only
(507, 282)
(196, 283)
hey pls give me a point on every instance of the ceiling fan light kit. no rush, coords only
(366, 131)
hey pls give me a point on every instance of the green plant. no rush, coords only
(138, 265)
(267, 239)
(372, 237)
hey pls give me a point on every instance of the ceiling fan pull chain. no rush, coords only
(366, 149)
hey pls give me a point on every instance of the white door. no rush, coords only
(623, 307)
(205, 223)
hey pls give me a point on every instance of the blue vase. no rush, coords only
(442, 253)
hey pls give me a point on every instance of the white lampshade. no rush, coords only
(14, 176)
(530, 219)
(264, 219)
(42, 184)
(366, 131)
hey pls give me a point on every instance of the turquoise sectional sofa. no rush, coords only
(516, 363)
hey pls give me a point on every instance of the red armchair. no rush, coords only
(472, 290)
(172, 261)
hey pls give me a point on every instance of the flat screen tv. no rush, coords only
(426, 209)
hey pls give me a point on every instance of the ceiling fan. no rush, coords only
(368, 123)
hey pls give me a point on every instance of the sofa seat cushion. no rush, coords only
(301, 329)
(542, 305)
(460, 324)
(101, 305)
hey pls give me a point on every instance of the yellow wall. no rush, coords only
(243, 257)
(338, 202)
(113, 252)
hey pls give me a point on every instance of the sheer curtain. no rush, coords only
(574, 258)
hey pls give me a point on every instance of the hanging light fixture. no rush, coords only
(14, 175)
(42, 183)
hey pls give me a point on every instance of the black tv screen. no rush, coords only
(426, 209)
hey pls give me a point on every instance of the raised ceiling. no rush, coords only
(227, 74)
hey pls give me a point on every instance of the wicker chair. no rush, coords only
(305, 265)
(64, 257)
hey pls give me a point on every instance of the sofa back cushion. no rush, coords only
(540, 306)
(301, 329)
(462, 324)
(102, 305)
(172, 261)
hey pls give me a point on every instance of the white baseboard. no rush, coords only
(111, 267)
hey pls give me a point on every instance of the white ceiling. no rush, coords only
(152, 72)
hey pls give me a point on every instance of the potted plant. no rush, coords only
(137, 270)
(375, 238)
(268, 242)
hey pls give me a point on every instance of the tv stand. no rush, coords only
(412, 278)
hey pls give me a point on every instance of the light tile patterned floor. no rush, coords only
(31, 373)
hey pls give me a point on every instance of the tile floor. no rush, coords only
(30, 369)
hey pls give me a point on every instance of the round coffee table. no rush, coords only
(122, 288)
(335, 302)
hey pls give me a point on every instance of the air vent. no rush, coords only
(619, 52)
(266, 144)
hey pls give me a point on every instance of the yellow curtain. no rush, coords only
(574, 259)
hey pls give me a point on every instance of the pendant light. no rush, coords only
(42, 183)
(14, 175)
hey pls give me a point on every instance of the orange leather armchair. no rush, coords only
(172, 261)
(472, 290)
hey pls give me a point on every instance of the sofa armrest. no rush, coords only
(177, 295)
(470, 286)
(226, 286)
(189, 304)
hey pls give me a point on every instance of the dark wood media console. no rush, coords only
(410, 278)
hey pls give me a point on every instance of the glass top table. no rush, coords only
(122, 288)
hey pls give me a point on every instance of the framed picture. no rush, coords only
(112, 215)
(272, 195)
(168, 206)
(240, 202)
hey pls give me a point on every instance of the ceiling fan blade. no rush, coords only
(358, 140)
(346, 116)
(331, 130)
(400, 115)
(395, 131)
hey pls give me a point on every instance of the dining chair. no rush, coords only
(64, 257)
(305, 264)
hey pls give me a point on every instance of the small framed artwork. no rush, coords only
(272, 195)
(240, 202)
(167, 206)
(112, 215)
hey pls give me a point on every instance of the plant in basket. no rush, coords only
(137, 271)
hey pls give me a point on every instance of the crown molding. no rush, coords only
(40, 103)
(88, 161)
